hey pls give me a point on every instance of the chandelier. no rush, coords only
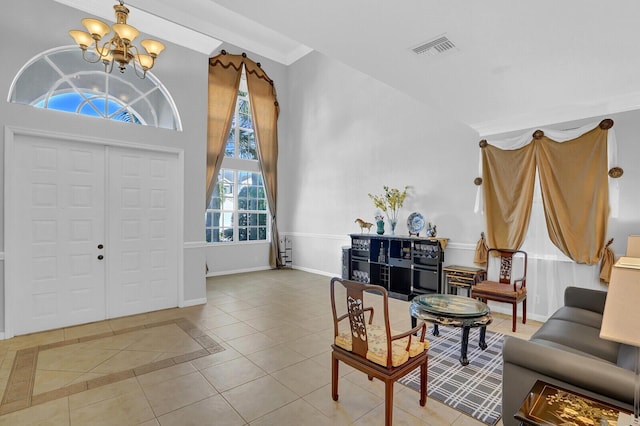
(120, 47)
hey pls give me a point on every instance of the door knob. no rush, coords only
(100, 246)
(100, 257)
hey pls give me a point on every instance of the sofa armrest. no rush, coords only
(586, 372)
(585, 298)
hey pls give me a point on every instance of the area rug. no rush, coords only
(475, 389)
(22, 386)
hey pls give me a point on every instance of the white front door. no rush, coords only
(143, 235)
(59, 218)
(95, 232)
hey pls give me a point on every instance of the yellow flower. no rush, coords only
(391, 201)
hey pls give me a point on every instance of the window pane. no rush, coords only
(230, 149)
(253, 234)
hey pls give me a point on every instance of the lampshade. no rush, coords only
(146, 61)
(153, 47)
(96, 26)
(621, 314)
(81, 38)
(126, 32)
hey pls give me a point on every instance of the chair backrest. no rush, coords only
(506, 258)
(353, 308)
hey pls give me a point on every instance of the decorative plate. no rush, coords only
(415, 223)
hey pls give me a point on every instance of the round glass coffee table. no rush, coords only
(456, 311)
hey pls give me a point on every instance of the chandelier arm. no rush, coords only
(104, 50)
(108, 66)
(84, 56)
(135, 69)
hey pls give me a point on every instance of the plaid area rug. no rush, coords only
(475, 389)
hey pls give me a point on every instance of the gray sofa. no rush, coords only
(568, 352)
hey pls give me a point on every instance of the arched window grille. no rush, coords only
(60, 79)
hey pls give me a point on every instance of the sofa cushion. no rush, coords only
(628, 357)
(581, 316)
(581, 337)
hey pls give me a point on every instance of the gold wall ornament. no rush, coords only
(616, 172)
(606, 124)
(538, 134)
(477, 181)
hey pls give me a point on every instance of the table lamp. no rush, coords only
(622, 316)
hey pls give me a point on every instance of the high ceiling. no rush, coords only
(514, 65)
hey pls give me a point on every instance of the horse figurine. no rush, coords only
(363, 225)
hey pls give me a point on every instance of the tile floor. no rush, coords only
(276, 329)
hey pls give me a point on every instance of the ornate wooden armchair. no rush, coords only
(506, 289)
(374, 349)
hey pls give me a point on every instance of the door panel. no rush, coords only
(59, 211)
(143, 236)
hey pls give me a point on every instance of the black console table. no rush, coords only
(404, 265)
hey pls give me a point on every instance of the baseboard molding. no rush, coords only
(317, 272)
(193, 302)
(236, 271)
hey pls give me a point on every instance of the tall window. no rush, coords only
(238, 209)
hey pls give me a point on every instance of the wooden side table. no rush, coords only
(548, 404)
(462, 277)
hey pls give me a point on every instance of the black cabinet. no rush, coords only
(405, 266)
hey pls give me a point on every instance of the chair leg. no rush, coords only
(423, 382)
(524, 311)
(514, 317)
(334, 377)
(388, 403)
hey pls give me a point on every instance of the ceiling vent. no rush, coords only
(437, 46)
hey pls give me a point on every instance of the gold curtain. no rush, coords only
(575, 193)
(225, 72)
(265, 110)
(508, 181)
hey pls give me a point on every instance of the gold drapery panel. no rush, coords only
(575, 193)
(508, 181)
(225, 71)
(574, 185)
(265, 110)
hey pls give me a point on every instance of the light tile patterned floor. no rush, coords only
(276, 329)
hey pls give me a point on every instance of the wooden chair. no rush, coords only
(374, 349)
(507, 289)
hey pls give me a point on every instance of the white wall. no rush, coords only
(347, 135)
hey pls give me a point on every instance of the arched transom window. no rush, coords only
(60, 79)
